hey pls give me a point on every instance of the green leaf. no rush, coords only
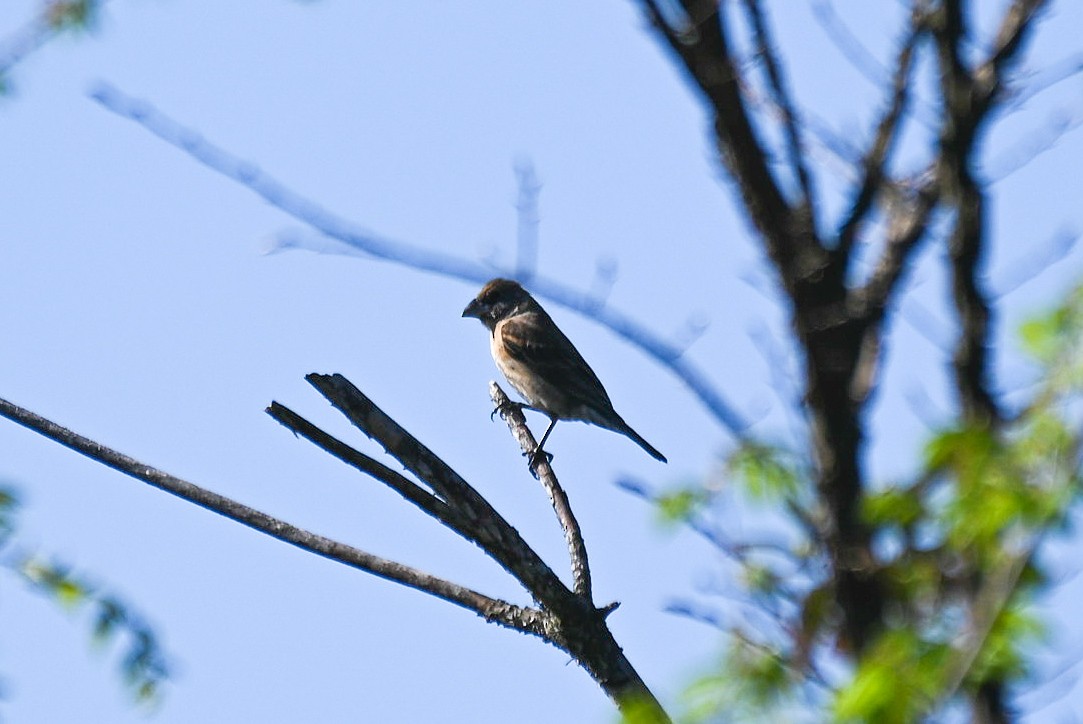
(751, 683)
(760, 580)
(768, 473)
(1043, 336)
(1001, 656)
(893, 506)
(679, 505)
(895, 681)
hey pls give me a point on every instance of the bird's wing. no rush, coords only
(535, 341)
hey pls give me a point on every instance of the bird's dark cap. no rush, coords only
(494, 291)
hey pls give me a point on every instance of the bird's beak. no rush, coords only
(473, 309)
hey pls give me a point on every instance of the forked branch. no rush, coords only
(516, 617)
(564, 618)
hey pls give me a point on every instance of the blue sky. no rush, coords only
(141, 311)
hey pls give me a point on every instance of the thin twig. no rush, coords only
(702, 47)
(408, 489)
(887, 132)
(667, 354)
(573, 535)
(908, 226)
(848, 44)
(526, 239)
(1037, 259)
(998, 587)
(791, 123)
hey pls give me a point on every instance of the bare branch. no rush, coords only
(309, 212)
(1034, 144)
(968, 98)
(968, 95)
(1036, 260)
(791, 124)
(848, 44)
(1014, 28)
(526, 260)
(408, 489)
(483, 524)
(1044, 79)
(571, 620)
(573, 535)
(887, 131)
(972, 353)
(567, 620)
(907, 228)
(713, 532)
(996, 591)
(701, 45)
(17, 46)
(527, 620)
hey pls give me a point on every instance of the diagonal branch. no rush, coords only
(482, 524)
(527, 620)
(577, 550)
(887, 132)
(17, 46)
(51, 21)
(1015, 26)
(669, 355)
(402, 485)
(907, 227)
(862, 60)
(701, 46)
(992, 598)
(790, 122)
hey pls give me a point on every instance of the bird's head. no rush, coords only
(498, 300)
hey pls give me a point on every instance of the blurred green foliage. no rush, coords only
(143, 663)
(955, 551)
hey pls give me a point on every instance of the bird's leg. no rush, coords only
(536, 456)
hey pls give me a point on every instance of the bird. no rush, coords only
(542, 364)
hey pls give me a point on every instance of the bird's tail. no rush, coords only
(624, 429)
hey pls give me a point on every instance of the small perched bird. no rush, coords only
(542, 364)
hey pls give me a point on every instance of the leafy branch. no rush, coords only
(144, 665)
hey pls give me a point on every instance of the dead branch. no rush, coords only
(566, 619)
(577, 550)
(494, 610)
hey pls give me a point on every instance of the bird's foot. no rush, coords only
(536, 458)
(503, 408)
